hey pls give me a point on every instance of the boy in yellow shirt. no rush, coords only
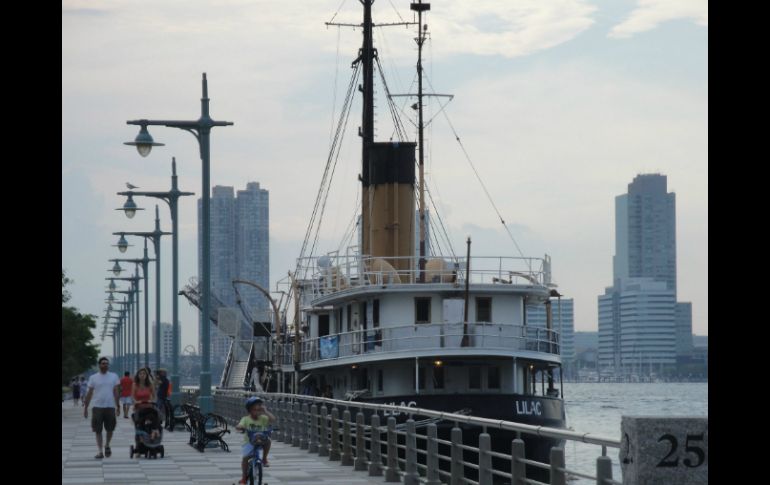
(258, 419)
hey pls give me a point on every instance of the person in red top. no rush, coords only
(126, 385)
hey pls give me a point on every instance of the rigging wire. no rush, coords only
(399, 126)
(483, 186)
(335, 143)
(334, 99)
(338, 11)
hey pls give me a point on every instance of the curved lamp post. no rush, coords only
(201, 130)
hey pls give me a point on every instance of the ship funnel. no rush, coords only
(388, 203)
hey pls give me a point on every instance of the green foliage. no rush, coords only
(78, 353)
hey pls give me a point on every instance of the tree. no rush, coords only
(78, 353)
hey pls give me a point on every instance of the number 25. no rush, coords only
(689, 449)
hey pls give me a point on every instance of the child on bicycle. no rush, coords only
(258, 419)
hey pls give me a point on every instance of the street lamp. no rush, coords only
(155, 237)
(130, 208)
(201, 129)
(171, 198)
(135, 291)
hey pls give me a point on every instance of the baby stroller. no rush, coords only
(145, 421)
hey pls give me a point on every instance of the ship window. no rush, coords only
(422, 310)
(350, 318)
(493, 378)
(376, 313)
(323, 325)
(474, 377)
(438, 377)
(379, 379)
(483, 309)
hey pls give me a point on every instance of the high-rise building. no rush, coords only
(564, 308)
(239, 250)
(166, 340)
(639, 317)
(683, 317)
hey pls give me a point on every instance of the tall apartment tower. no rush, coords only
(239, 249)
(639, 315)
(166, 340)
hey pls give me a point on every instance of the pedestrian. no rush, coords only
(126, 386)
(75, 385)
(83, 388)
(103, 390)
(162, 392)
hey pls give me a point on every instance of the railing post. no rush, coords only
(297, 424)
(303, 428)
(411, 477)
(518, 469)
(432, 477)
(347, 452)
(313, 445)
(485, 459)
(603, 470)
(391, 472)
(360, 463)
(276, 407)
(288, 435)
(334, 448)
(375, 462)
(558, 476)
(457, 468)
(323, 438)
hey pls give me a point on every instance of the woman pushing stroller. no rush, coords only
(143, 394)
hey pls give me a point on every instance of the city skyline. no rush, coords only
(559, 105)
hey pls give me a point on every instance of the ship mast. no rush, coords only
(420, 7)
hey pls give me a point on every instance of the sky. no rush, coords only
(558, 104)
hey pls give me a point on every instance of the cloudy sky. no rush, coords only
(559, 104)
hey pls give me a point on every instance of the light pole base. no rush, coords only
(204, 399)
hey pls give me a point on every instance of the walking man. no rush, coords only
(103, 387)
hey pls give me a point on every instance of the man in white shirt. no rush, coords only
(103, 387)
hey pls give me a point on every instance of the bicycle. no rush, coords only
(256, 438)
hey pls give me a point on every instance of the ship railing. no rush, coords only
(335, 272)
(341, 431)
(426, 337)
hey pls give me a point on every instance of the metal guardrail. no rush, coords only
(426, 336)
(328, 427)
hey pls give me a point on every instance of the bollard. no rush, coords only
(334, 447)
(457, 468)
(323, 438)
(375, 463)
(360, 463)
(411, 477)
(347, 452)
(313, 445)
(558, 475)
(603, 470)
(297, 425)
(391, 472)
(485, 459)
(432, 477)
(303, 428)
(518, 469)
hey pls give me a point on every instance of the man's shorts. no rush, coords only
(103, 417)
(126, 400)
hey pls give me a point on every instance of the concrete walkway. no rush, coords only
(184, 464)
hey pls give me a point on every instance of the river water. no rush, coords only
(597, 407)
